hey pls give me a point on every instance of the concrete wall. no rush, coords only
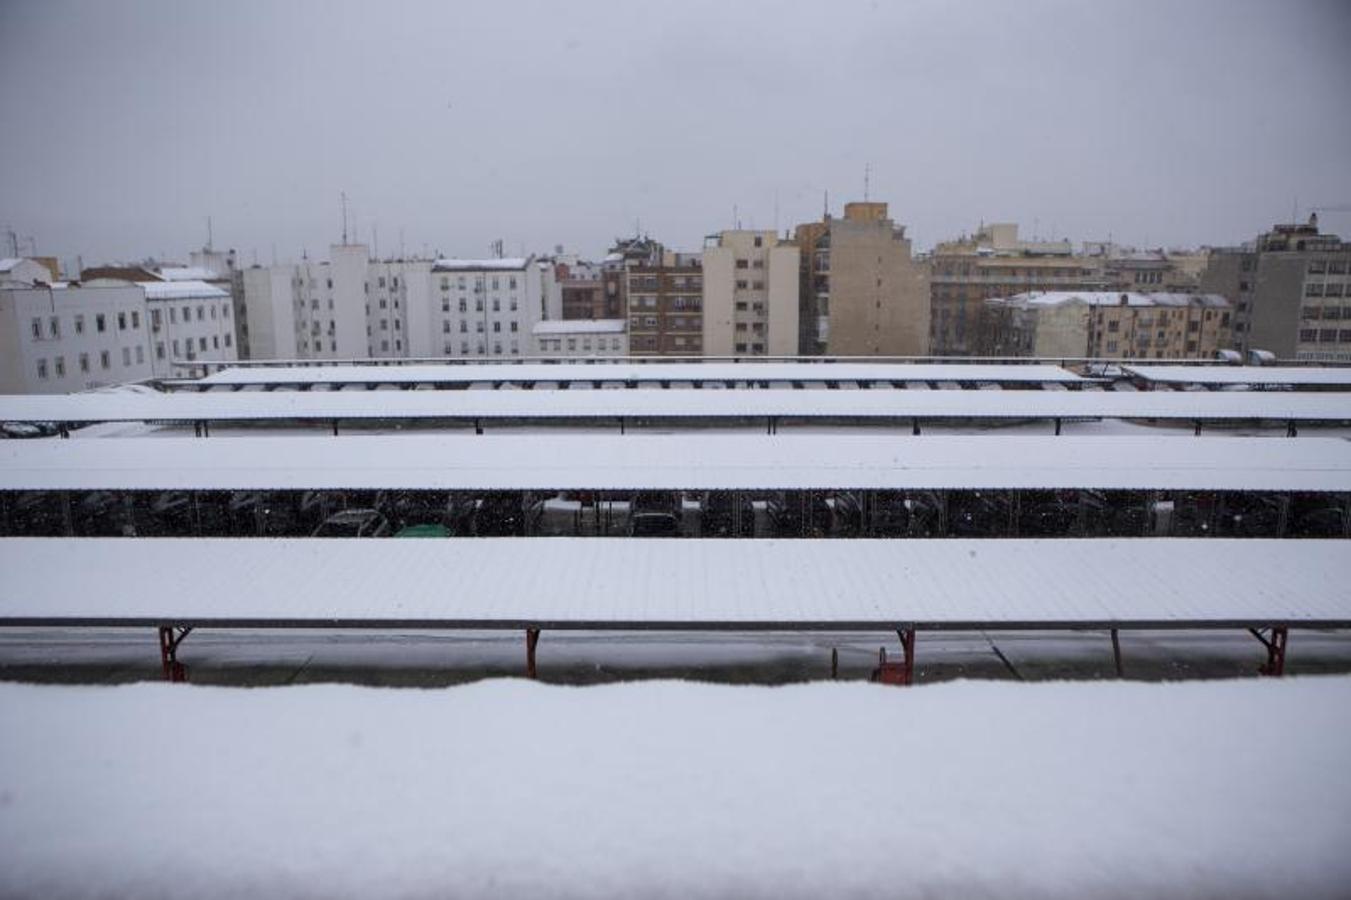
(879, 295)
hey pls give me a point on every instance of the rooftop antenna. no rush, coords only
(208, 234)
(825, 205)
(736, 223)
(867, 173)
(375, 239)
(343, 194)
(401, 242)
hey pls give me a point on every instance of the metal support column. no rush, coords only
(899, 673)
(1275, 644)
(1116, 653)
(531, 639)
(168, 652)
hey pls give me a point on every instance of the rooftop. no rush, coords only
(182, 290)
(510, 263)
(580, 326)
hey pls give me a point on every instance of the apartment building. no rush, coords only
(190, 321)
(581, 338)
(869, 295)
(61, 337)
(665, 305)
(489, 307)
(1106, 325)
(1149, 271)
(750, 294)
(992, 263)
(1291, 290)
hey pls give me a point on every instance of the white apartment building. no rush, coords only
(489, 307)
(397, 292)
(750, 295)
(352, 307)
(572, 338)
(60, 338)
(64, 337)
(189, 321)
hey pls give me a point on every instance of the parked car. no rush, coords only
(726, 514)
(655, 514)
(354, 523)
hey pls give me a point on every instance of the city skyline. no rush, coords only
(539, 126)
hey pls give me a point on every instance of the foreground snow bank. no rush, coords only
(671, 789)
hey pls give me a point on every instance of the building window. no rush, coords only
(513, 326)
(42, 369)
(741, 284)
(215, 342)
(37, 329)
(384, 304)
(105, 360)
(159, 350)
(79, 324)
(464, 305)
(140, 355)
(84, 362)
(227, 339)
(497, 326)
(55, 324)
(175, 346)
(464, 326)
(126, 356)
(200, 317)
(201, 343)
(742, 263)
(173, 316)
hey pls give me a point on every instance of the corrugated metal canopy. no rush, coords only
(675, 584)
(1255, 375)
(619, 371)
(676, 462)
(686, 404)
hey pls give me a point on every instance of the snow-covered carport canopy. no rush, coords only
(1335, 377)
(693, 406)
(603, 371)
(678, 462)
(603, 583)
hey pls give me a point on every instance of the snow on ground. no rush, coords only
(672, 789)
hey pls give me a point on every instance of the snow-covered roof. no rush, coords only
(1255, 375)
(678, 462)
(627, 371)
(480, 265)
(681, 461)
(182, 290)
(507, 788)
(610, 405)
(580, 326)
(676, 584)
(1112, 298)
(188, 273)
(8, 264)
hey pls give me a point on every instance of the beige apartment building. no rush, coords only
(994, 263)
(1106, 325)
(864, 292)
(750, 294)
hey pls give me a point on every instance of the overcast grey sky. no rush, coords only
(127, 123)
